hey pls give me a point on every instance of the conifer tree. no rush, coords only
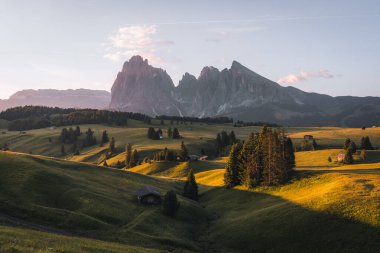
(63, 149)
(347, 144)
(231, 175)
(112, 145)
(183, 154)
(232, 137)
(170, 204)
(175, 134)
(366, 143)
(348, 159)
(352, 147)
(134, 159)
(191, 187)
(170, 133)
(218, 145)
(128, 155)
(105, 138)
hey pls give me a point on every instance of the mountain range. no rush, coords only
(80, 98)
(237, 92)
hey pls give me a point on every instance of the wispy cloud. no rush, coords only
(304, 76)
(135, 40)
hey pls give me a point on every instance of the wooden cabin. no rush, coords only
(149, 195)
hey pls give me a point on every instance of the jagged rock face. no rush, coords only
(142, 88)
(236, 92)
(81, 98)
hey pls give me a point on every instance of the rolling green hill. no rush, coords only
(79, 207)
(93, 202)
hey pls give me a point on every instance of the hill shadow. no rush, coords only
(246, 221)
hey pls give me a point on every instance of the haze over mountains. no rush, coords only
(236, 92)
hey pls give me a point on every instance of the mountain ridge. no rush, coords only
(236, 92)
(70, 98)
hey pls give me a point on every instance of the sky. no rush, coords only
(330, 47)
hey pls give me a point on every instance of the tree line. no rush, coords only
(223, 142)
(35, 117)
(214, 120)
(241, 123)
(265, 158)
(158, 134)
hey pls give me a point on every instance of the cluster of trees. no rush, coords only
(131, 157)
(240, 123)
(366, 143)
(215, 120)
(153, 134)
(169, 155)
(165, 155)
(70, 135)
(157, 135)
(223, 142)
(35, 117)
(265, 158)
(307, 145)
(174, 134)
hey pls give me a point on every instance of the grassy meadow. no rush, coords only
(55, 203)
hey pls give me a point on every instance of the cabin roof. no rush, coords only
(148, 190)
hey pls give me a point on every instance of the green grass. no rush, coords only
(93, 202)
(327, 207)
(196, 137)
(29, 241)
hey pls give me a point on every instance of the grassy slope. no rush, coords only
(93, 202)
(196, 136)
(326, 202)
(28, 241)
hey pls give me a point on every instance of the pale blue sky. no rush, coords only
(330, 47)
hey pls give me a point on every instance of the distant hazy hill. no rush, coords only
(81, 98)
(237, 92)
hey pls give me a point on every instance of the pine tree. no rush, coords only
(63, 149)
(128, 155)
(347, 144)
(191, 187)
(77, 131)
(348, 159)
(366, 143)
(170, 204)
(175, 134)
(105, 164)
(112, 145)
(232, 138)
(218, 145)
(289, 155)
(183, 154)
(170, 133)
(329, 159)
(134, 159)
(314, 145)
(105, 138)
(231, 175)
(352, 147)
